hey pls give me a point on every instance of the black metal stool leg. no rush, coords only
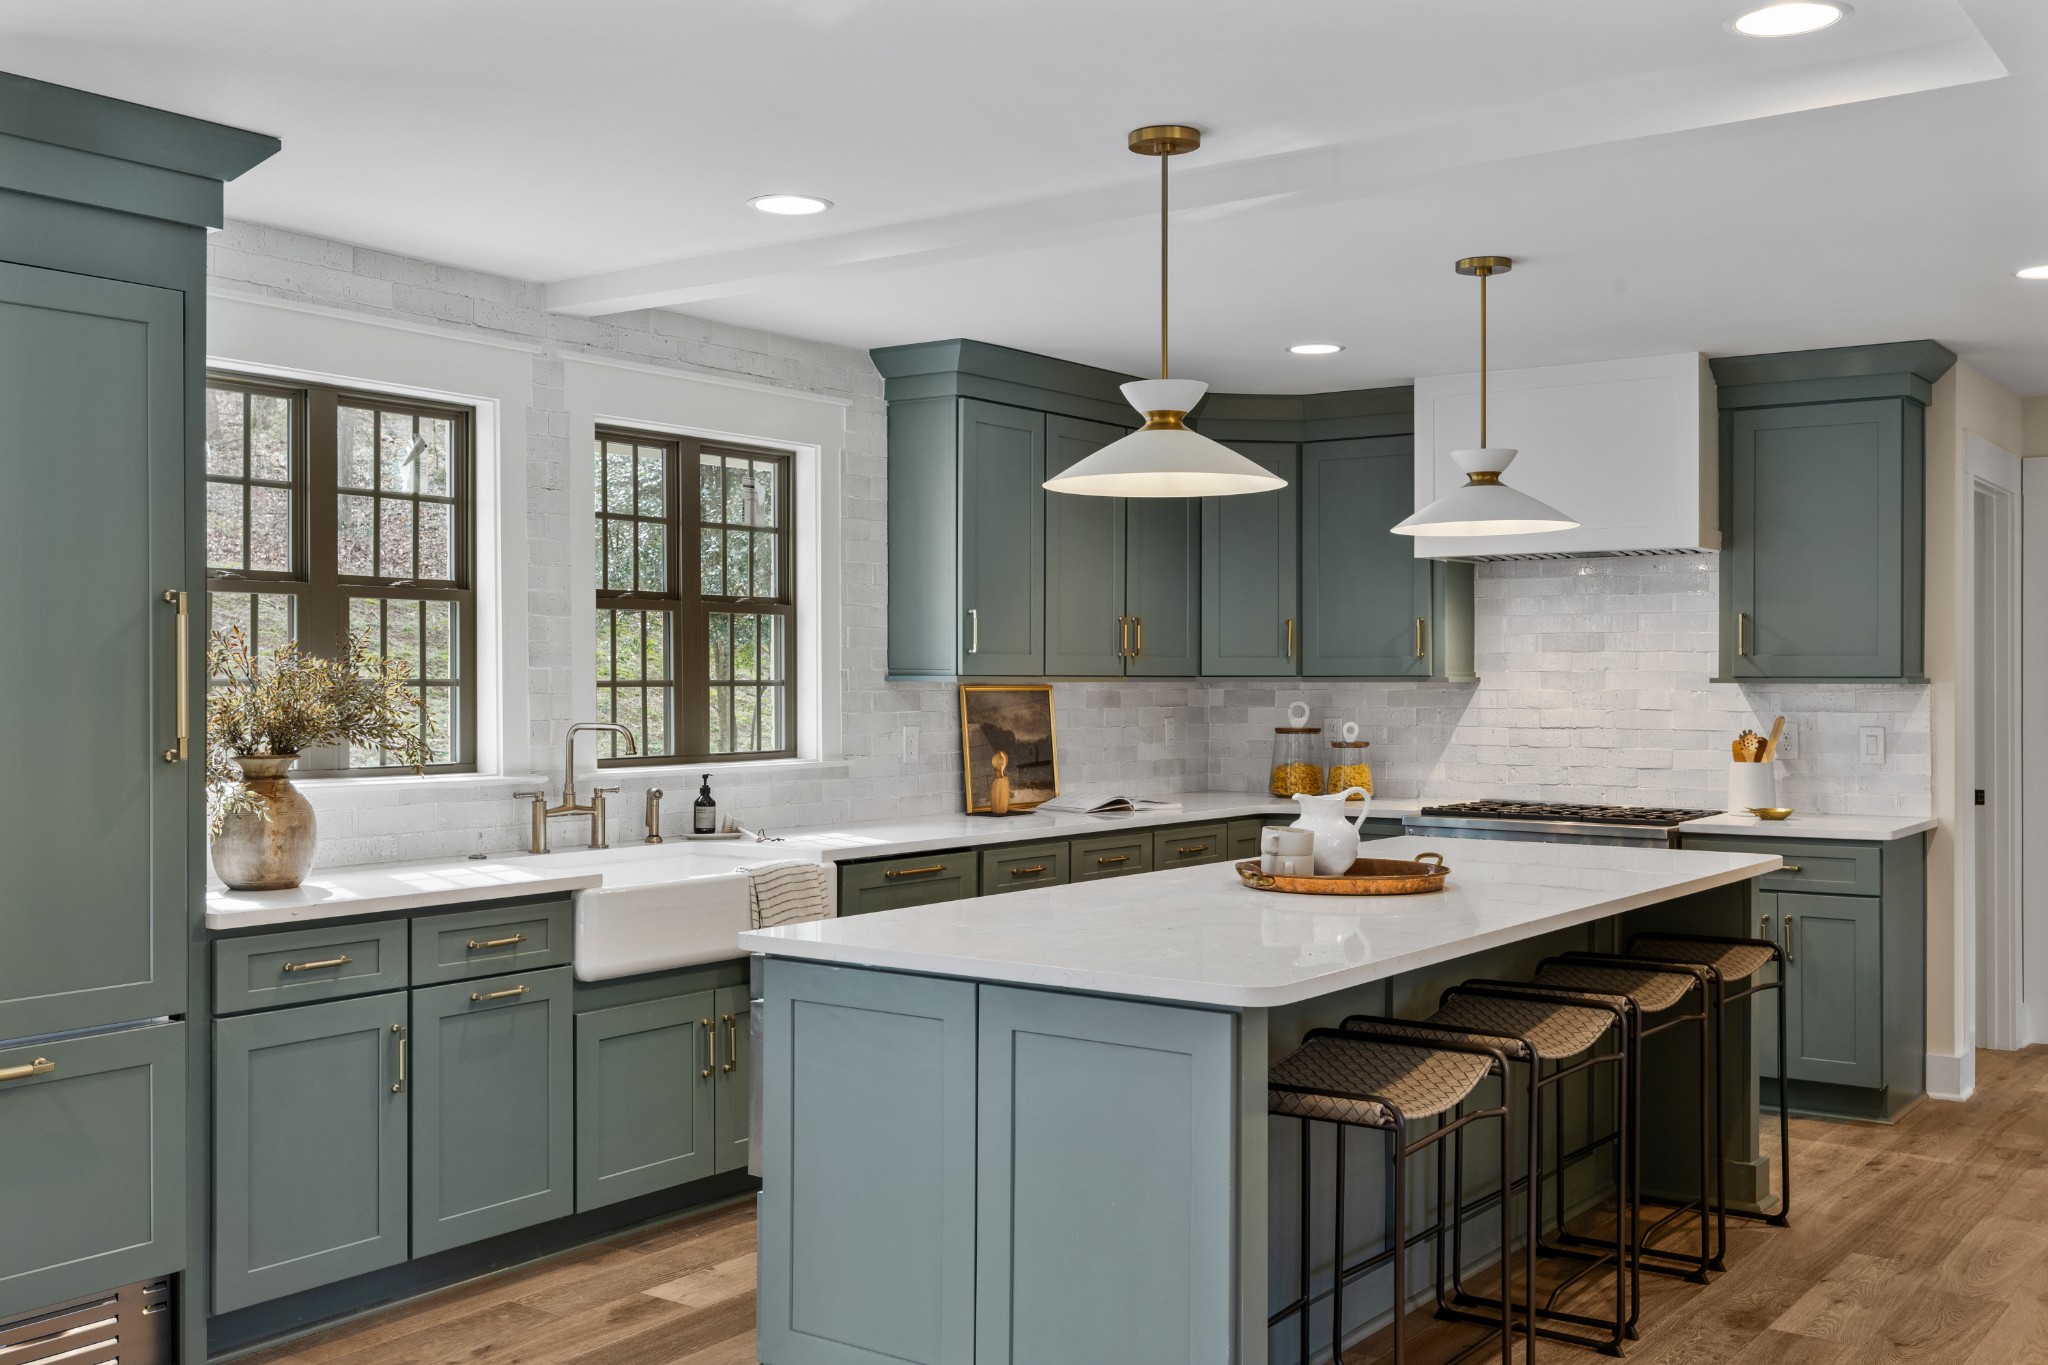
(1307, 1265)
(1783, 1217)
(1337, 1287)
(1400, 1246)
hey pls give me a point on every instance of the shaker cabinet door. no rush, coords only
(644, 1104)
(1365, 597)
(1163, 586)
(1084, 560)
(1834, 1009)
(1819, 541)
(1251, 625)
(493, 1109)
(93, 822)
(309, 1147)
(1002, 540)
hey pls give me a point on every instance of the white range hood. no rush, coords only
(1628, 447)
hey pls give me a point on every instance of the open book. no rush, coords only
(1098, 804)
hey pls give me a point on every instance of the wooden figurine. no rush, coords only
(999, 789)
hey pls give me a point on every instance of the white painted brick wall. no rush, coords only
(1594, 672)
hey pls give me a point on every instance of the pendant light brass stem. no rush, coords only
(1165, 141)
(1484, 267)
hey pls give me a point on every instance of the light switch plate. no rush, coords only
(1870, 743)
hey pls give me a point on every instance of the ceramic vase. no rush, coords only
(255, 853)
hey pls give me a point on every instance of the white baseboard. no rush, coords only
(1951, 1077)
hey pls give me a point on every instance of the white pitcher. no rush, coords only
(1336, 837)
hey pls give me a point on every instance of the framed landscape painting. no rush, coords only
(1015, 721)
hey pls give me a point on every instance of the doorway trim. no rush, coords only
(1996, 486)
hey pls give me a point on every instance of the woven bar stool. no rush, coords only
(1733, 965)
(1359, 1079)
(1652, 989)
(1539, 1029)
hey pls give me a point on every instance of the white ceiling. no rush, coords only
(1664, 184)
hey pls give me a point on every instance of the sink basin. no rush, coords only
(662, 906)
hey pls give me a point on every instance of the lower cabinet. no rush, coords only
(898, 883)
(310, 1166)
(493, 1121)
(732, 1085)
(943, 1146)
(1189, 846)
(646, 1095)
(1110, 855)
(1834, 982)
(92, 1140)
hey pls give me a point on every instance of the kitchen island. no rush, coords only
(1034, 1130)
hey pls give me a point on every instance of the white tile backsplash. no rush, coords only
(1594, 672)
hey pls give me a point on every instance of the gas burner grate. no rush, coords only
(1559, 810)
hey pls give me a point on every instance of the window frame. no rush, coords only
(689, 651)
(321, 593)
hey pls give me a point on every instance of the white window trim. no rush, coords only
(676, 403)
(282, 340)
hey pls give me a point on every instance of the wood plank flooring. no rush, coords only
(1926, 1241)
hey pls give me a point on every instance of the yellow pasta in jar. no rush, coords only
(1290, 779)
(1344, 775)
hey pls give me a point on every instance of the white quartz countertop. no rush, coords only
(1799, 825)
(1199, 936)
(390, 888)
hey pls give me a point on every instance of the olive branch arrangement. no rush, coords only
(295, 701)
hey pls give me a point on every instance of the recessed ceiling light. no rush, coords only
(1316, 348)
(790, 205)
(2033, 272)
(1789, 19)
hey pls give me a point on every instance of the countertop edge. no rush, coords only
(271, 916)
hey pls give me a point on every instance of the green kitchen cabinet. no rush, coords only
(92, 1158)
(1019, 867)
(1110, 855)
(1369, 608)
(1123, 585)
(92, 453)
(1002, 541)
(1823, 512)
(868, 1127)
(1251, 614)
(1103, 1123)
(896, 883)
(733, 1079)
(493, 1113)
(646, 1097)
(1086, 631)
(1834, 1007)
(1189, 846)
(310, 1165)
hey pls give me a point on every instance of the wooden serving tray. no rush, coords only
(1366, 877)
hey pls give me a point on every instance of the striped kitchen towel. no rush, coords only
(789, 891)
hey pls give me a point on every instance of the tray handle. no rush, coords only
(1436, 858)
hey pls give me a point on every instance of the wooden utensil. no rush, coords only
(1749, 747)
(1771, 746)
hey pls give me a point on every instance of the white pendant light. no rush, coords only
(1163, 459)
(1483, 505)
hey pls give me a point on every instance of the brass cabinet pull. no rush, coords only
(183, 673)
(1031, 871)
(710, 1039)
(1421, 636)
(974, 630)
(41, 1066)
(398, 1086)
(1123, 637)
(1138, 632)
(500, 995)
(341, 961)
(1111, 862)
(1763, 926)
(732, 1044)
(1188, 850)
(1290, 637)
(914, 871)
(497, 942)
(1791, 867)
(1789, 959)
(1741, 634)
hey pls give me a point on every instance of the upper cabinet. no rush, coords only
(990, 576)
(1824, 487)
(1251, 558)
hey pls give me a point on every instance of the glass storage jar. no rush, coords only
(1348, 767)
(1297, 755)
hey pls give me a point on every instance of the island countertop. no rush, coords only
(1198, 936)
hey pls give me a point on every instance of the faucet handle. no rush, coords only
(604, 791)
(529, 796)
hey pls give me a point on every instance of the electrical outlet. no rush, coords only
(910, 744)
(1171, 730)
(1870, 743)
(1788, 743)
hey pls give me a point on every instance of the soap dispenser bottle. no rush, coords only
(704, 813)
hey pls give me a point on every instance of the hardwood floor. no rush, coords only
(1926, 1241)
